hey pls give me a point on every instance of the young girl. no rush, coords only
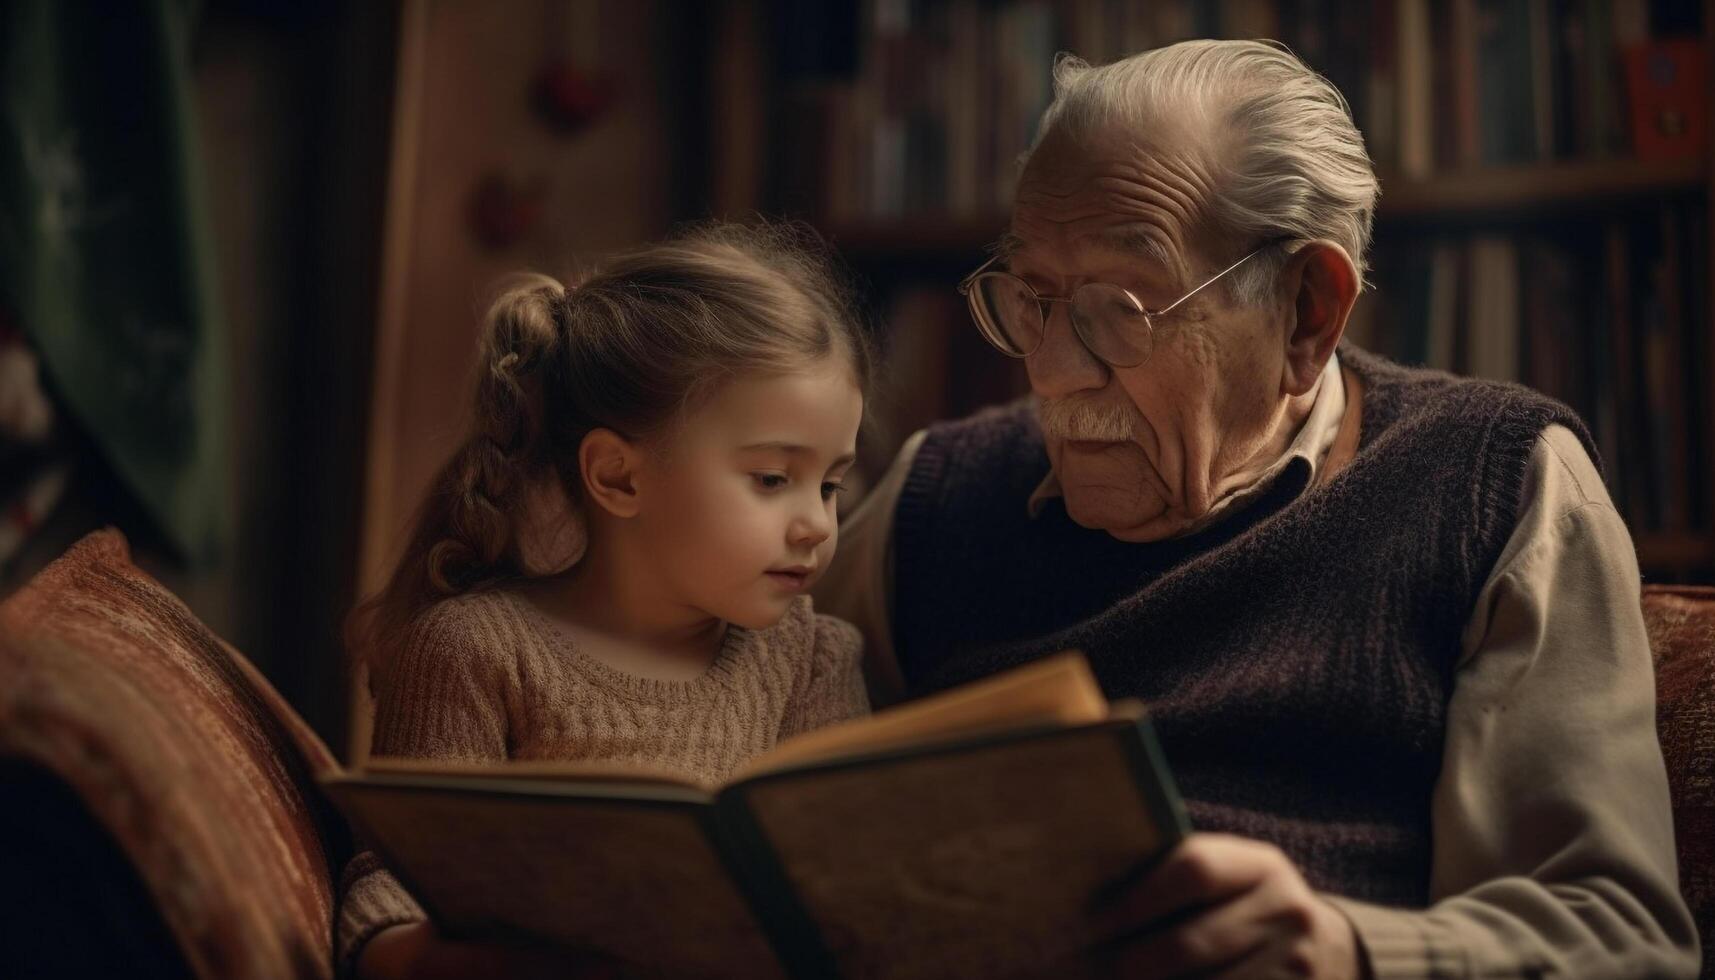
(696, 405)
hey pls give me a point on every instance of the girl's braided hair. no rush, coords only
(632, 347)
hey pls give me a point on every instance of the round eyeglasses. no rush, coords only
(1109, 319)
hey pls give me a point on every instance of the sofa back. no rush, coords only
(197, 771)
(1681, 624)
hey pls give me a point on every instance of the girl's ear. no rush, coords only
(609, 464)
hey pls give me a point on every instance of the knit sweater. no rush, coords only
(1297, 658)
(486, 677)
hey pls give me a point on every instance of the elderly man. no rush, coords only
(1387, 620)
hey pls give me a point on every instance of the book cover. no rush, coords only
(1667, 98)
(1696, 373)
(1380, 123)
(1631, 460)
(1416, 89)
(964, 834)
(1492, 341)
(1506, 108)
(1465, 143)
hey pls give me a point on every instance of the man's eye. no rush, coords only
(830, 489)
(769, 481)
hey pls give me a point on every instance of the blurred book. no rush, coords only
(1667, 98)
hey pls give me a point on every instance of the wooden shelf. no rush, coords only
(1537, 188)
(1675, 552)
(1455, 196)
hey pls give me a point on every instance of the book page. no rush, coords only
(1057, 690)
(533, 769)
(975, 863)
(639, 881)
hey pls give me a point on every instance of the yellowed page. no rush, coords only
(545, 770)
(1057, 690)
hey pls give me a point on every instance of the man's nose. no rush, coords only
(1063, 365)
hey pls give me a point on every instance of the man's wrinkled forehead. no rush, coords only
(1107, 196)
(1132, 242)
(1127, 254)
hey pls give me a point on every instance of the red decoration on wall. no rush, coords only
(570, 99)
(504, 211)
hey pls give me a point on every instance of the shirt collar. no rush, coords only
(1315, 437)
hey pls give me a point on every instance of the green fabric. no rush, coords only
(104, 254)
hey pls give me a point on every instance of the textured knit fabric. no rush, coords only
(1297, 657)
(183, 754)
(1553, 831)
(1682, 636)
(486, 677)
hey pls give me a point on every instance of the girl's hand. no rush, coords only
(416, 951)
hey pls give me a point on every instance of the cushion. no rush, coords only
(182, 753)
(1681, 623)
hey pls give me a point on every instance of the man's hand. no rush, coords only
(1226, 907)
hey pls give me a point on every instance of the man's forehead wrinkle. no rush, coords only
(1173, 185)
(1138, 198)
(1036, 193)
(1155, 211)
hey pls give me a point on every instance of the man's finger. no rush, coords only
(1226, 933)
(1267, 962)
(1201, 871)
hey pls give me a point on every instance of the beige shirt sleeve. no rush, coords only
(1552, 827)
(858, 585)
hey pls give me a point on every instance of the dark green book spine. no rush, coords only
(1155, 784)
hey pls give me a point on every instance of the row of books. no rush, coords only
(923, 106)
(1471, 83)
(1612, 318)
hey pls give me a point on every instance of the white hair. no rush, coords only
(1287, 161)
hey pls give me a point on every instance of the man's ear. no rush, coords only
(608, 463)
(1321, 283)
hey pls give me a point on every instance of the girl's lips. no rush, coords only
(791, 581)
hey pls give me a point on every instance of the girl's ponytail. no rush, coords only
(488, 478)
(465, 535)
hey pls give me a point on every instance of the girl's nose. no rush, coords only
(812, 526)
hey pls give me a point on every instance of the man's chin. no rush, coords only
(1134, 521)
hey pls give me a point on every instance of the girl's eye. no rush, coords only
(769, 481)
(830, 490)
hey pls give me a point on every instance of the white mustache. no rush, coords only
(1081, 421)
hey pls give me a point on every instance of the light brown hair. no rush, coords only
(630, 348)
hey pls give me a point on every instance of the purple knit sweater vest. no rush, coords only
(1297, 657)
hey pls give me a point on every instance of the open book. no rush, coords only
(964, 834)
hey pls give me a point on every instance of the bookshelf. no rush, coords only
(1485, 194)
(1631, 234)
(1477, 196)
